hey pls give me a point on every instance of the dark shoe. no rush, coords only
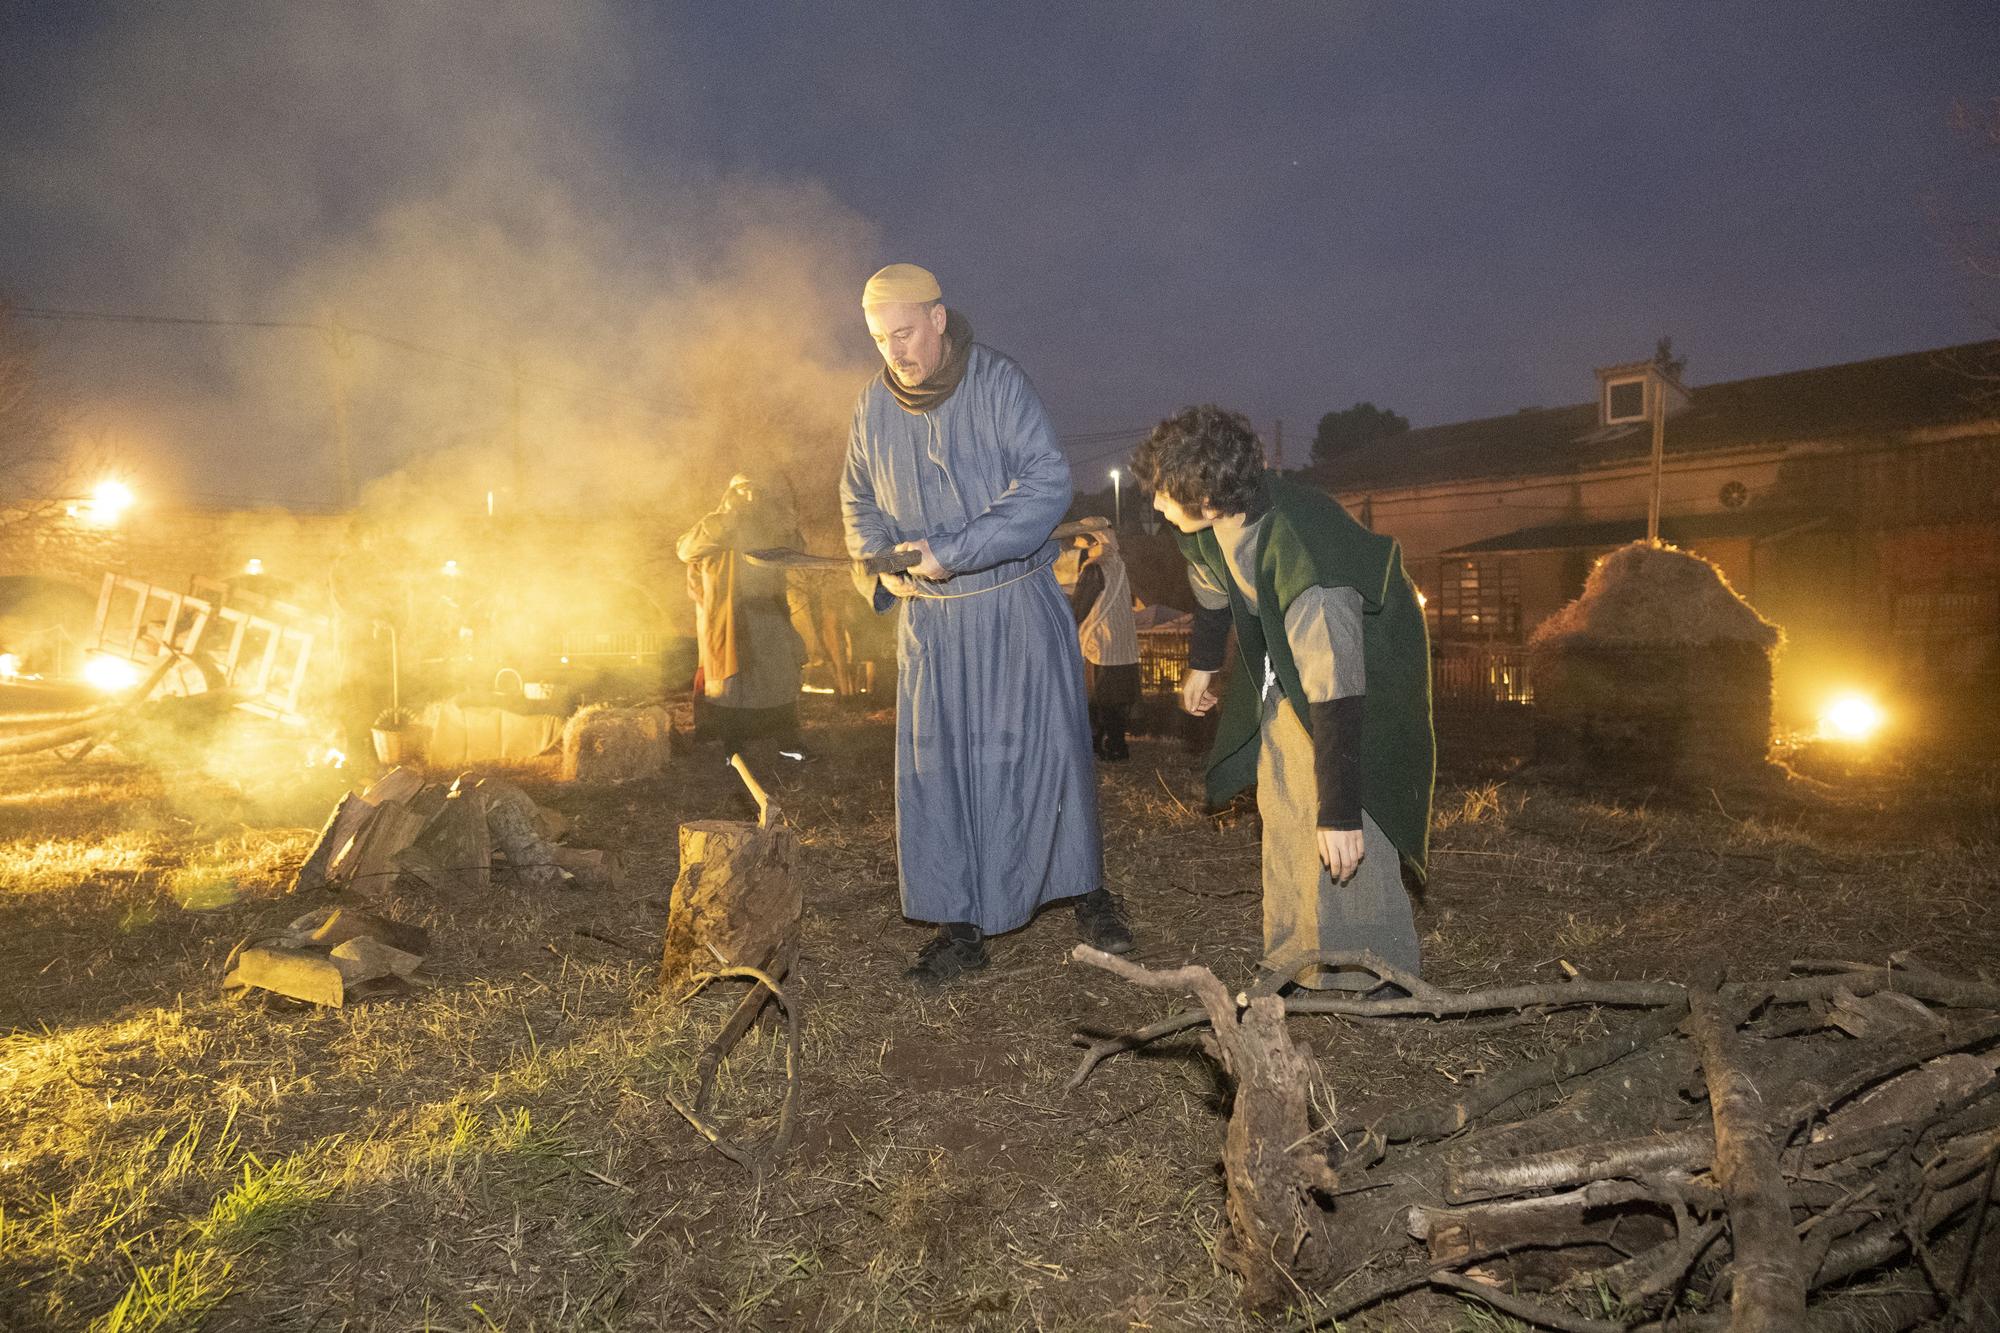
(948, 957)
(1114, 750)
(1100, 922)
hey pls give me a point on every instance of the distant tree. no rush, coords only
(40, 470)
(31, 461)
(1967, 220)
(1356, 427)
(1664, 358)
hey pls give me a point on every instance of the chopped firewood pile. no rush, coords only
(330, 956)
(457, 835)
(1818, 1152)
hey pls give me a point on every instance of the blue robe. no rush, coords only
(996, 792)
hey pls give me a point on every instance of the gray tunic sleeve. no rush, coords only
(1324, 626)
(1208, 594)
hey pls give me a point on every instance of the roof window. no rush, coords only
(1624, 400)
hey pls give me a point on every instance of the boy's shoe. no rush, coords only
(1100, 922)
(950, 954)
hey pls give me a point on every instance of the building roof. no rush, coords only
(1687, 530)
(1944, 387)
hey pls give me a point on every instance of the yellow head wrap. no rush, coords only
(901, 284)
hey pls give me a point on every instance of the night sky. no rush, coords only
(1451, 211)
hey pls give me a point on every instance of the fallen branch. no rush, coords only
(757, 1163)
(1431, 1002)
(1533, 1312)
(1691, 1149)
(1439, 1121)
(1769, 1294)
(1279, 1238)
(92, 726)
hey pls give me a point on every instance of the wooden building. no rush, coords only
(1857, 505)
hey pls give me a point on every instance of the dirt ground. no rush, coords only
(498, 1152)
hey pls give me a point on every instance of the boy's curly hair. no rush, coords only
(1200, 456)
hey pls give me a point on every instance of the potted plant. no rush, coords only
(398, 735)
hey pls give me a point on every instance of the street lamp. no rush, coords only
(105, 504)
(1117, 498)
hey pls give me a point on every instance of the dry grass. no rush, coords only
(497, 1151)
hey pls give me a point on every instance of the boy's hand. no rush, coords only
(899, 585)
(1196, 697)
(1340, 852)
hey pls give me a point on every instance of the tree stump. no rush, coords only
(735, 902)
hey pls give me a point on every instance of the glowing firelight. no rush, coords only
(255, 566)
(10, 666)
(815, 689)
(1851, 717)
(106, 504)
(111, 674)
(450, 569)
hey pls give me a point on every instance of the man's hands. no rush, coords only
(1340, 852)
(1196, 697)
(899, 585)
(928, 567)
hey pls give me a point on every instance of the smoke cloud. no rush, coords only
(531, 303)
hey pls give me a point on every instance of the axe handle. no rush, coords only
(889, 562)
(766, 808)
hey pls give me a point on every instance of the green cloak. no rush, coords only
(1310, 541)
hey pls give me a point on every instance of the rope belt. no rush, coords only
(953, 596)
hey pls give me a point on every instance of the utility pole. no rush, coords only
(1656, 386)
(520, 451)
(340, 357)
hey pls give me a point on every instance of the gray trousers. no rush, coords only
(1305, 912)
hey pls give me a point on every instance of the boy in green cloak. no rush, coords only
(1329, 708)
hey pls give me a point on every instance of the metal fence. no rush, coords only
(1480, 675)
(1463, 675)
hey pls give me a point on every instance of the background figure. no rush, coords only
(750, 653)
(818, 606)
(1109, 638)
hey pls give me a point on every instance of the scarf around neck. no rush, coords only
(943, 381)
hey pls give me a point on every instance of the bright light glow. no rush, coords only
(450, 569)
(1851, 717)
(1116, 473)
(255, 566)
(110, 674)
(106, 505)
(10, 666)
(815, 689)
(1421, 599)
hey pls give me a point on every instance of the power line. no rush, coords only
(113, 317)
(334, 329)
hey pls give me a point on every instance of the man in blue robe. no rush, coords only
(952, 456)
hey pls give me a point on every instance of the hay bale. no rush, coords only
(606, 744)
(1659, 670)
(1643, 596)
